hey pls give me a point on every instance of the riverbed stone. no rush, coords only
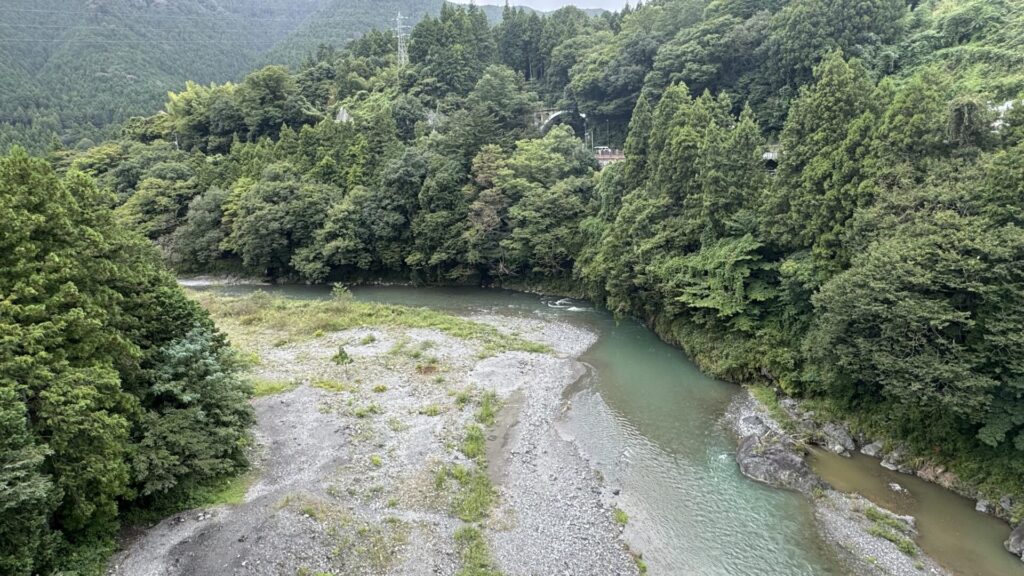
(984, 506)
(897, 488)
(1006, 503)
(873, 449)
(837, 438)
(1015, 543)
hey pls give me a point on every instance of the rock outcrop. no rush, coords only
(767, 454)
(873, 449)
(775, 460)
(837, 438)
(1015, 543)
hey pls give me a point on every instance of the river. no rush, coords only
(649, 420)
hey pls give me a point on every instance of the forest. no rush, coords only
(72, 70)
(878, 267)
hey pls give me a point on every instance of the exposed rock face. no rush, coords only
(766, 453)
(837, 438)
(897, 460)
(775, 461)
(873, 449)
(1015, 543)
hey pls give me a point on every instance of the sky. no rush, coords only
(549, 5)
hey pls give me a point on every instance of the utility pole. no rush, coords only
(403, 39)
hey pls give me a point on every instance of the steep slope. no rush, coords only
(73, 67)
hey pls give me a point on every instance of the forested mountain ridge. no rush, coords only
(73, 68)
(878, 270)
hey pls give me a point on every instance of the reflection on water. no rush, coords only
(964, 541)
(649, 420)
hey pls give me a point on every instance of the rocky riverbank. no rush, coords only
(871, 540)
(837, 437)
(368, 462)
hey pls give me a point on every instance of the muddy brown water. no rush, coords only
(961, 539)
(649, 421)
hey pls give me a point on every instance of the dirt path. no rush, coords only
(361, 470)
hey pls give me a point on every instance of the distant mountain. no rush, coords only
(72, 69)
(493, 11)
(544, 6)
(337, 22)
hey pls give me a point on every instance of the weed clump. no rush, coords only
(431, 410)
(476, 557)
(366, 410)
(489, 406)
(473, 446)
(620, 516)
(333, 386)
(341, 357)
(891, 529)
(261, 387)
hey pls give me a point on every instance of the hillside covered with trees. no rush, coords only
(73, 70)
(879, 268)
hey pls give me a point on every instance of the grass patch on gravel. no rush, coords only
(367, 410)
(891, 529)
(333, 386)
(475, 554)
(489, 407)
(620, 516)
(263, 387)
(474, 495)
(474, 445)
(431, 410)
(299, 320)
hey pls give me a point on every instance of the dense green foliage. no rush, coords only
(879, 268)
(116, 389)
(72, 70)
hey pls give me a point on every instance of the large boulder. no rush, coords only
(777, 462)
(837, 438)
(897, 461)
(1015, 543)
(1006, 503)
(873, 449)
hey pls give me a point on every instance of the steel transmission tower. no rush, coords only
(403, 40)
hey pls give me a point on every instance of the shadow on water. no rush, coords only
(650, 422)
